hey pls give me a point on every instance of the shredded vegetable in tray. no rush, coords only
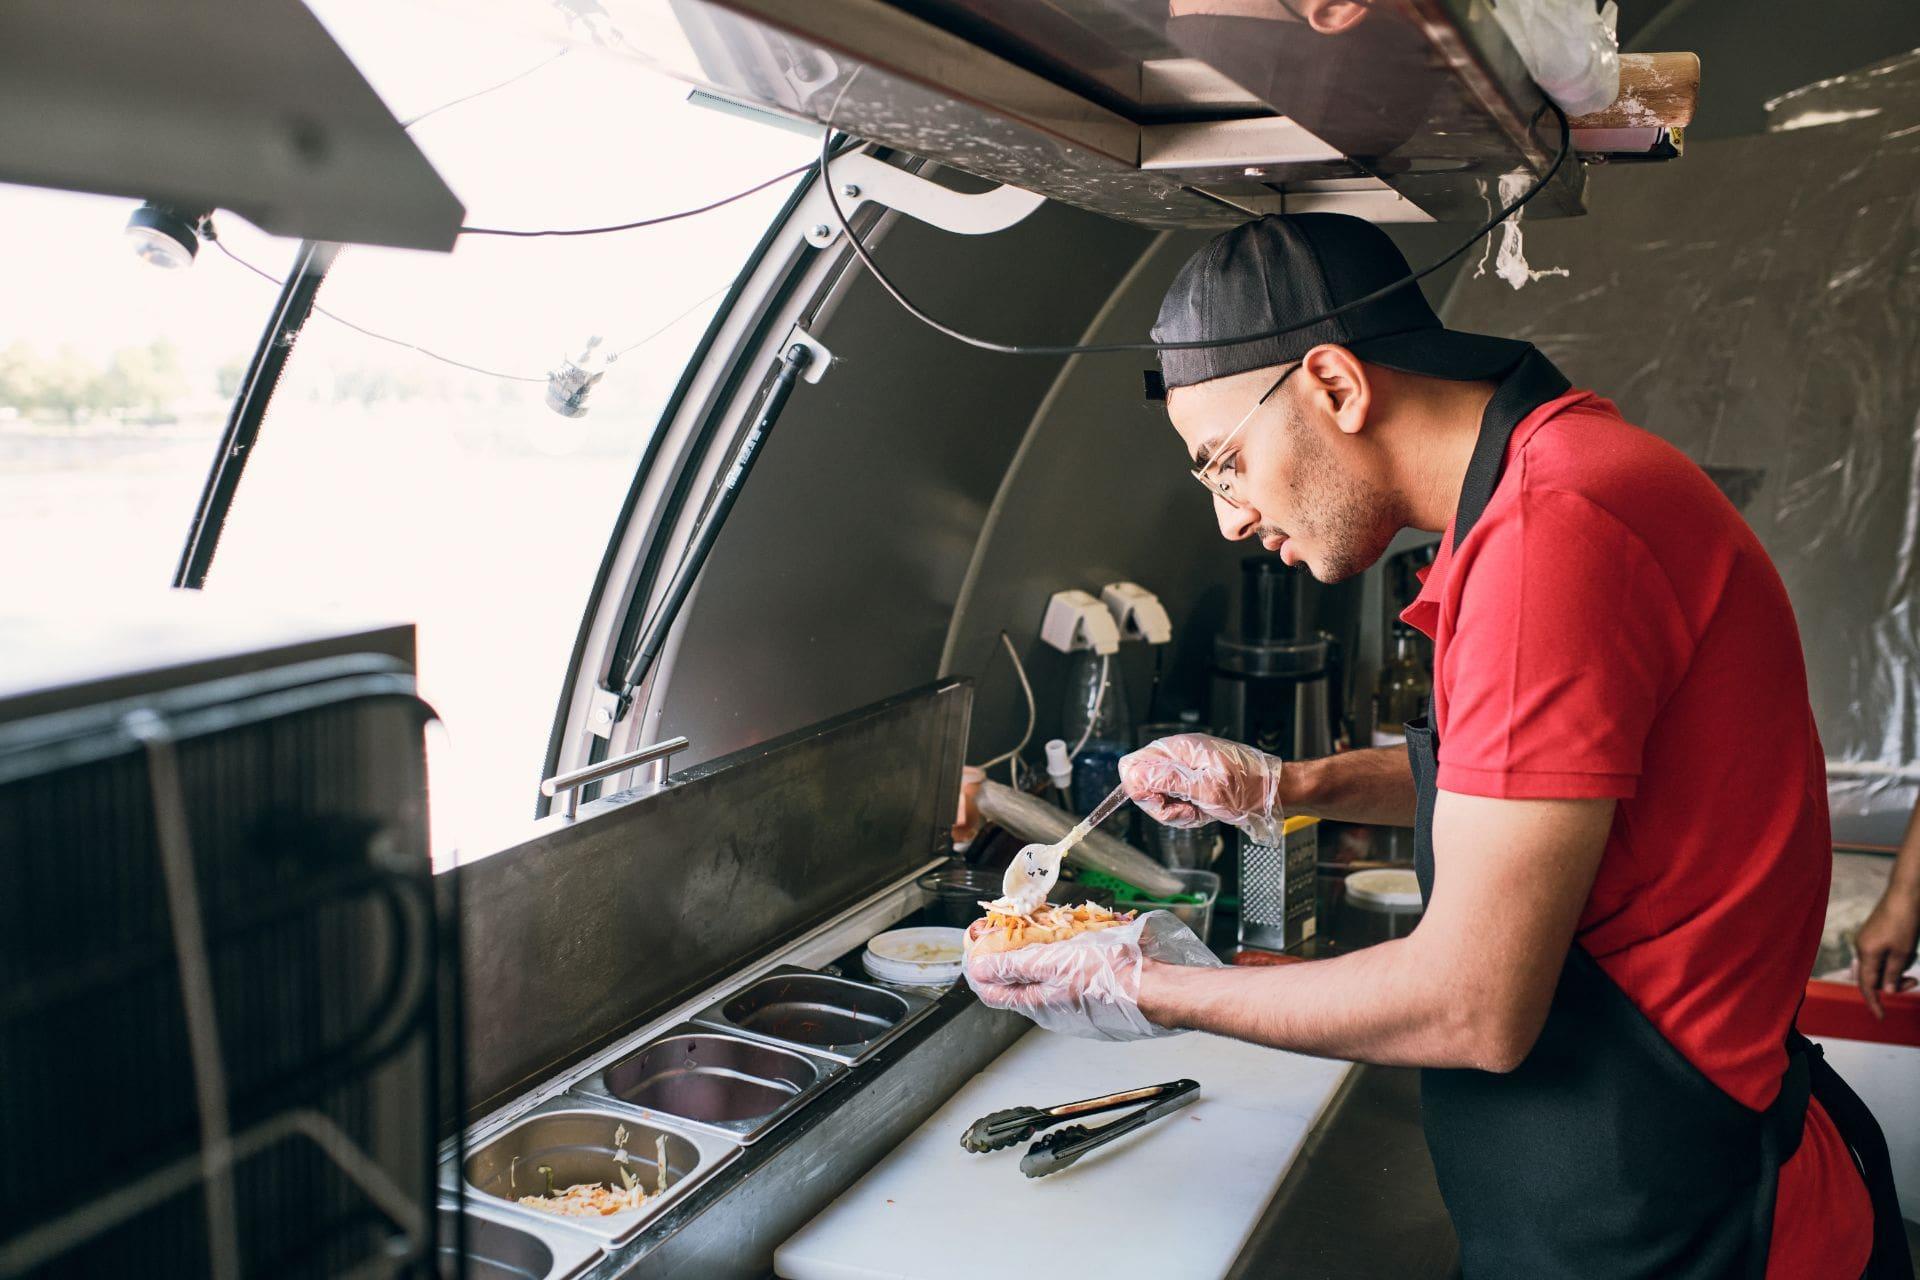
(598, 1199)
(589, 1200)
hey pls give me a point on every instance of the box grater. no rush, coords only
(1277, 887)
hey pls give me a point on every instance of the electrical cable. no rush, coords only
(1096, 348)
(480, 93)
(669, 324)
(1153, 689)
(657, 220)
(1032, 713)
(398, 342)
(1093, 715)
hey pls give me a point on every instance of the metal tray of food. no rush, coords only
(502, 1247)
(580, 1142)
(714, 1080)
(817, 1013)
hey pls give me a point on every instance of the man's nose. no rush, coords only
(1236, 523)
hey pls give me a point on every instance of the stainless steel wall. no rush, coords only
(1097, 492)
(837, 578)
(926, 495)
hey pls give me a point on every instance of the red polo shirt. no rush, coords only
(1612, 628)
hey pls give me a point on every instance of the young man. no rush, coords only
(1619, 798)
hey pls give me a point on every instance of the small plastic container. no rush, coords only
(1379, 905)
(924, 957)
(1198, 916)
(956, 891)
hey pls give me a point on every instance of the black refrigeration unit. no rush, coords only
(220, 1041)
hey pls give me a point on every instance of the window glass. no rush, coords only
(115, 378)
(440, 487)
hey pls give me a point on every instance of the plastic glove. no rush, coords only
(1089, 985)
(1190, 779)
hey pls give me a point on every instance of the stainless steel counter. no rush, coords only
(745, 1200)
(1360, 1200)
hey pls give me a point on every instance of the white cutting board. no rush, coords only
(1177, 1198)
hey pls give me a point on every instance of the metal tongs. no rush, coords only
(1064, 1146)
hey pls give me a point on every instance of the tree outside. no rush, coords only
(140, 382)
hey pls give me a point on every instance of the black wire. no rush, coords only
(1093, 348)
(433, 355)
(654, 221)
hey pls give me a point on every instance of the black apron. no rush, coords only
(1607, 1154)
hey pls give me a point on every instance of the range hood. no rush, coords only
(1167, 113)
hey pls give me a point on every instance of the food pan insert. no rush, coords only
(582, 1143)
(834, 1017)
(728, 1084)
(506, 1250)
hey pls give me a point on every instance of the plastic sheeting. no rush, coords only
(1757, 302)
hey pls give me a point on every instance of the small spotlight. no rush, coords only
(164, 235)
(568, 385)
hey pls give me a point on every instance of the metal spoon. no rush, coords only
(1036, 868)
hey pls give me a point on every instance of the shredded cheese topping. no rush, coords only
(1048, 920)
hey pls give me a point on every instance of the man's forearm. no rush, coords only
(1374, 786)
(1905, 878)
(1383, 1005)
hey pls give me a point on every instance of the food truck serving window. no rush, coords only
(410, 464)
(115, 377)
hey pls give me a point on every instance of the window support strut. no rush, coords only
(242, 431)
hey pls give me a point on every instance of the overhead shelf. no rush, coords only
(1161, 112)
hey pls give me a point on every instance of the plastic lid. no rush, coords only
(927, 955)
(1392, 891)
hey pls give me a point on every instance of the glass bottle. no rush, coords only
(1401, 689)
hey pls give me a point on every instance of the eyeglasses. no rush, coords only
(1222, 486)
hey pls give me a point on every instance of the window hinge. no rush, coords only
(605, 710)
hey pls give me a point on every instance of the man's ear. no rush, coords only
(1338, 375)
(1331, 17)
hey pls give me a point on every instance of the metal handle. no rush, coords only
(1114, 1101)
(1064, 1146)
(659, 755)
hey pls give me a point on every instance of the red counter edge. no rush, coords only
(1837, 1010)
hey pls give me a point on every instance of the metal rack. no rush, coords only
(219, 961)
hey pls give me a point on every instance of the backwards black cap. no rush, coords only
(1281, 269)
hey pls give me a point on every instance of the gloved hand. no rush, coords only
(1191, 779)
(1087, 986)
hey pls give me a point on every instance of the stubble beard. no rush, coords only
(1351, 519)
